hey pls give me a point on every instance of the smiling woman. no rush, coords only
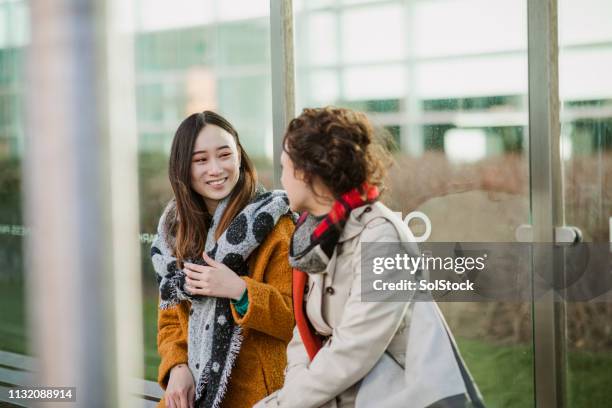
(197, 157)
(221, 258)
(215, 165)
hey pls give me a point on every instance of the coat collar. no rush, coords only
(358, 219)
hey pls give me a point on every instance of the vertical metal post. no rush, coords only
(283, 75)
(411, 129)
(64, 197)
(79, 271)
(126, 301)
(546, 197)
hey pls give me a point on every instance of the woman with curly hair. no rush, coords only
(333, 170)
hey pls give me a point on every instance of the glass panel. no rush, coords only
(241, 10)
(160, 15)
(459, 30)
(372, 33)
(299, 5)
(13, 324)
(447, 80)
(586, 132)
(323, 39)
(373, 82)
(192, 56)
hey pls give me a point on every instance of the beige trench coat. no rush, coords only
(359, 332)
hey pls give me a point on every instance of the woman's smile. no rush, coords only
(215, 165)
(217, 183)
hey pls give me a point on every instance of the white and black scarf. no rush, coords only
(214, 338)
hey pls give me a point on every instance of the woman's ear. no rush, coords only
(299, 175)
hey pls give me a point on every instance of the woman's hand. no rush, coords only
(180, 392)
(215, 279)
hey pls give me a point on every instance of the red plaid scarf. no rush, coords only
(326, 234)
(328, 231)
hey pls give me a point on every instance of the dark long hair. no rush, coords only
(190, 221)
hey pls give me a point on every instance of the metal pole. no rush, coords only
(73, 264)
(126, 302)
(411, 135)
(546, 197)
(283, 75)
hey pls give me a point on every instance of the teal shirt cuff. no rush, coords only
(242, 305)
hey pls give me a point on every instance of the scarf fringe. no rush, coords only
(203, 383)
(235, 345)
(234, 350)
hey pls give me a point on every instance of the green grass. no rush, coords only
(13, 332)
(149, 320)
(503, 373)
(13, 325)
(590, 377)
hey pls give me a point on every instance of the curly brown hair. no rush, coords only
(339, 146)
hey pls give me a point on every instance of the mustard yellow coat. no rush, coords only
(267, 325)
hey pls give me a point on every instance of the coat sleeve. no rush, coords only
(171, 342)
(297, 357)
(356, 344)
(270, 308)
(297, 363)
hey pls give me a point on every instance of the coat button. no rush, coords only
(190, 312)
(367, 209)
(306, 288)
(330, 290)
(198, 366)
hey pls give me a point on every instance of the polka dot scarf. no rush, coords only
(214, 338)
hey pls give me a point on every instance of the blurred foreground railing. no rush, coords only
(16, 370)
